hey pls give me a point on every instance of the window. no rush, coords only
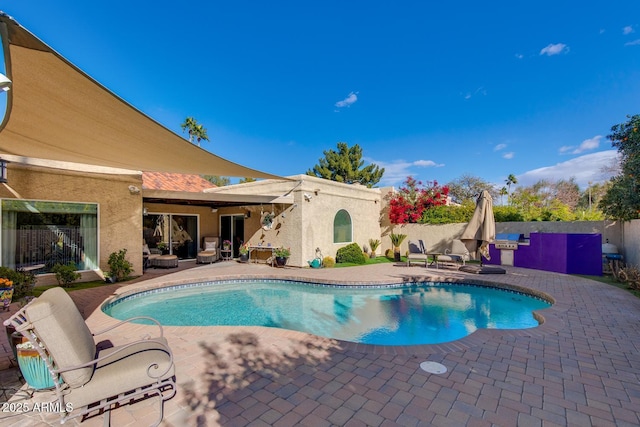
(37, 234)
(342, 227)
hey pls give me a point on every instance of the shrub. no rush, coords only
(448, 214)
(507, 214)
(23, 281)
(66, 274)
(397, 239)
(389, 253)
(119, 266)
(366, 256)
(328, 262)
(374, 243)
(351, 253)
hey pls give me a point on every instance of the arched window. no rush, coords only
(342, 227)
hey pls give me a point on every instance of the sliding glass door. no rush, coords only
(174, 234)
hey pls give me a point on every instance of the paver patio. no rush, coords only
(580, 367)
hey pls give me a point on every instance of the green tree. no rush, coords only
(218, 181)
(467, 187)
(511, 180)
(195, 130)
(503, 192)
(622, 199)
(346, 165)
(246, 179)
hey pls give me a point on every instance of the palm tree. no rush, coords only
(195, 130)
(503, 192)
(511, 179)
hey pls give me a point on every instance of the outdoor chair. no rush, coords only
(210, 251)
(417, 253)
(457, 255)
(149, 255)
(90, 378)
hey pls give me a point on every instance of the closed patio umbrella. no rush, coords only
(481, 231)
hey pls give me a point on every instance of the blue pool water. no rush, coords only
(421, 313)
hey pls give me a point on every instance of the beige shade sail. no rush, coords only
(56, 111)
(481, 230)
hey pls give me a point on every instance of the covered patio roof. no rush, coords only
(212, 199)
(56, 111)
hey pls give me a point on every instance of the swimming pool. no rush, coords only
(393, 314)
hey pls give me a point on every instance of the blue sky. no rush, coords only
(429, 90)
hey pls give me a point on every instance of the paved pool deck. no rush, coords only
(580, 367)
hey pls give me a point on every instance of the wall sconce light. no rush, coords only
(3, 170)
(5, 83)
(134, 190)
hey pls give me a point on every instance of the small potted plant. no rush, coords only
(281, 254)
(6, 292)
(163, 247)
(373, 243)
(226, 245)
(244, 252)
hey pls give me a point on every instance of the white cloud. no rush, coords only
(348, 101)
(627, 30)
(499, 147)
(584, 169)
(479, 91)
(633, 43)
(586, 145)
(508, 155)
(397, 171)
(519, 56)
(554, 49)
(426, 163)
(566, 148)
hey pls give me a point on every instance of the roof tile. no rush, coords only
(174, 182)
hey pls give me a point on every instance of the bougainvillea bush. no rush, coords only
(413, 198)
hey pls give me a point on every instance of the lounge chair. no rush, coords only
(458, 254)
(210, 252)
(88, 377)
(417, 252)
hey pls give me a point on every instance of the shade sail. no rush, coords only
(55, 111)
(481, 230)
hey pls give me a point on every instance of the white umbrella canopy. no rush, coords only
(481, 230)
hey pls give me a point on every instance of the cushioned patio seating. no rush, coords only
(88, 377)
(457, 255)
(210, 251)
(149, 255)
(165, 261)
(417, 253)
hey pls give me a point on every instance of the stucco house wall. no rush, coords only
(119, 209)
(307, 223)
